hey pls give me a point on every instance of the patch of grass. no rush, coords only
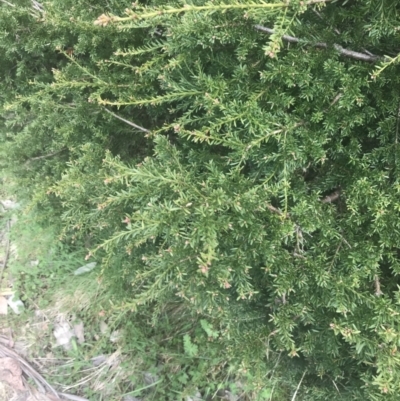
(155, 354)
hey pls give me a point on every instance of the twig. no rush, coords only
(336, 386)
(331, 197)
(277, 211)
(299, 240)
(322, 18)
(272, 374)
(45, 156)
(37, 6)
(8, 225)
(126, 121)
(298, 386)
(356, 55)
(287, 38)
(37, 382)
(88, 377)
(275, 366)
(35, 375)
(274, 210)
(371, 54)
(272, 391)
(345, 241)
(341, 50)
(27, 368)
(336, 99)
(397, 133)
(378, 291)
(9, 4)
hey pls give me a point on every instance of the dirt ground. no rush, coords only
(19, 379)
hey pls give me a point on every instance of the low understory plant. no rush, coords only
(160, 352)
(232, 167)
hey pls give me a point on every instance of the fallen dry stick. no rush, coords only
(29, 371)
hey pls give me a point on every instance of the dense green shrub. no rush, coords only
(259, 186)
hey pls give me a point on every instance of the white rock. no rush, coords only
(115, 336)
(79, 332)
(130, 398)
(63, 334)
(230, 396)
(98, 360)
(15, 304)
(85, 269)
(150, 378)
(195, 397)
(103, 327)
(9, 204)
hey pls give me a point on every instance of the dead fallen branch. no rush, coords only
(33, 374)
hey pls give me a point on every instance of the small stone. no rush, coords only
(115, 336)
(15, 304)
(63, 334)
(131, 398)
(150, 378)
(195, 397)
(98, 360)
(9, 204)
(103, 327)
(79, 332)
(85, 269)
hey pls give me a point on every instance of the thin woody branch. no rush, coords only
(45, 156)
(274, 210)
(331, 197)
(8, 3)
(341, 50)
(378, 291)
(37, 6)
(356, 55)
(127, 121)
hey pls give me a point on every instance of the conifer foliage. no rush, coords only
(241, 157)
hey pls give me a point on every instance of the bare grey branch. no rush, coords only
(127, 121)
(332, 197)
(45, 156)
(341, 50)
(6, 2)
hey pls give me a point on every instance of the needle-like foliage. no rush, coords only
(240, 156)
